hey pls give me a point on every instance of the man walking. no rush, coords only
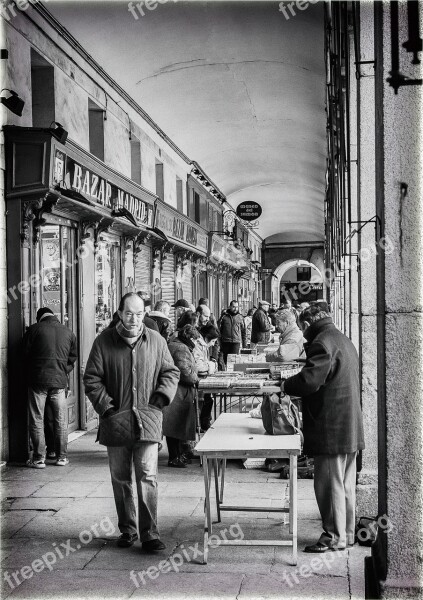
(232, 331)
(130, 377)
(50, 353)
(329, 386)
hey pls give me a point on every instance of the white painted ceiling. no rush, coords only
(236, 85)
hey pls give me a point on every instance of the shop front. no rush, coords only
(179, 257)
(73, 228)
(228, 266)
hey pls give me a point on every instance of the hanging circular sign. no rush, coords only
(249, 211)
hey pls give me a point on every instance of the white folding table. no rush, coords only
(234, 436)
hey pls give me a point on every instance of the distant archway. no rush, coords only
(279, 272)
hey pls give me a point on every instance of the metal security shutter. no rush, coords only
(143, 270)
(168, 278)
(187, 283)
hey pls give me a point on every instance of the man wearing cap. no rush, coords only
(329, 385)
(180, 307)
(261, 326)
(50, 352)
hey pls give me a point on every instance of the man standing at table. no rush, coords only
(130, 377)
(329, 386)
(232, 331)
(261, 326)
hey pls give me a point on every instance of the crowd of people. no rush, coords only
(142, 379)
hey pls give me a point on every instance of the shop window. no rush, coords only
(159, 180)
(107, 282)
(58, 269)
(179, 195)
(42, 88)
(96, 129)
(135, 159)
(303, 273)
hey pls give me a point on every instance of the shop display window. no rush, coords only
(107, 278)
(58, 272)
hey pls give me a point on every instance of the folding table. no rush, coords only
(237, 435)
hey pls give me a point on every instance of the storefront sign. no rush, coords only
(78, 178)
(221, 251)
(179, 230)
(249, 211)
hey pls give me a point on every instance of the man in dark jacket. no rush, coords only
(232, 331)
(261, 325)
(160, 315)
(50, 353)
(329, 385)
(129, 378)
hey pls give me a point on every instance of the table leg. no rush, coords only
(207, 511)
(293, 504)
(222, 481)
(216, 487)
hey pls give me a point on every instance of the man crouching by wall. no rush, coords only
(329, 385)
(130, 377)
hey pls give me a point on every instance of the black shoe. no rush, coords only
(126, 539)
(185, 458)
(189, 454)
(205, 426)
(177, 463)
(320, 548)
(278, 465)
(153, 546)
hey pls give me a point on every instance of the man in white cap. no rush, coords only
(261, 326)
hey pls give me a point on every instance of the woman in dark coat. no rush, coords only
(179, 416)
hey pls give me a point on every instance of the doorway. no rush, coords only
(58, 268)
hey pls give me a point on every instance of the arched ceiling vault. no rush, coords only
(236, 85)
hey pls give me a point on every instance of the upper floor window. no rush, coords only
(135, 159)
(96, 129)
(159, 180)
(179, 195)
(42, 88)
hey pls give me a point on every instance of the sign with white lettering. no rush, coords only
(249, 211)
(179, 230)
(97, 189)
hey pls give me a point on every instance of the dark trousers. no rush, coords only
(229, 348)
(174, 447)
(206, 411)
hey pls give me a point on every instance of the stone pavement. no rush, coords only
(59, 526)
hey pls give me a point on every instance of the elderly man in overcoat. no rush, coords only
(329, 386)
(129, 378)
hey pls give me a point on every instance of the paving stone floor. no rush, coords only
(59, 528)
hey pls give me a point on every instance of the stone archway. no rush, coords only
(317, 276)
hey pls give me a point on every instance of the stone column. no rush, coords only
(367, 488)
(399, 200)
(352, 247)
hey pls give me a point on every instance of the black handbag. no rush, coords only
(280, 416)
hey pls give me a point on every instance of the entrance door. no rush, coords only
(59, 293)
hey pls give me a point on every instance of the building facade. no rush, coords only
(97, 202)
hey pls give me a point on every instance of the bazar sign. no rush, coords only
(179, 230)
(220, 251)
(87, 183)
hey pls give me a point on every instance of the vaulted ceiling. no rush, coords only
(237, 86)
